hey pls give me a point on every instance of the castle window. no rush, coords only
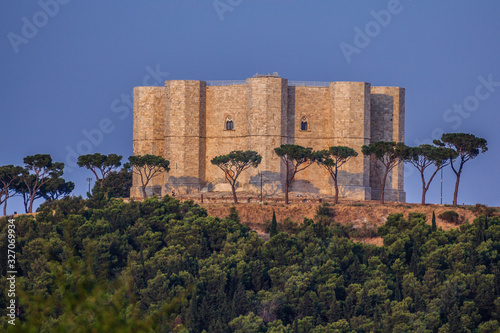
(303, 124)
(229, 124)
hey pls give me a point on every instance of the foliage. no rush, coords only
(56, 188)
(295, 158)
(100, 165)
(325, 214)
(424, 156)
(40, 171)
(147, 167)
(116, 184)
(274, 226)
(479, 209)
(10, 176)
(286, 225)
(165, 266)
(233, 214)
(234, 163)
(433, 223)
(449, 216)
(53, 189)
(332, 159)
(389, 155)
(466, 147)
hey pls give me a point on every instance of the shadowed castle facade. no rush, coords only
(190, 122)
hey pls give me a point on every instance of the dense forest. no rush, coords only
(104, 265)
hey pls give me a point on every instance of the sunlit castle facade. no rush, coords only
(190, 122)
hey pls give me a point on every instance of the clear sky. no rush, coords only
(67, 68)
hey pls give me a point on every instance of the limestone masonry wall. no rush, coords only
(388, 110)
(185, 122)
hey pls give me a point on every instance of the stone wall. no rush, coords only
(185, 122)
(185, 135)
(149, 122)
(313, 104)
(387, 121)
(223, 102)
(351, 124)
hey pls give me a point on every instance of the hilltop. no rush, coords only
(358, 214)
(165, 265)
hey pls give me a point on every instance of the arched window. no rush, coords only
(229, 123)
(303, 124)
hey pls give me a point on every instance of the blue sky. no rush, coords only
(68, 68)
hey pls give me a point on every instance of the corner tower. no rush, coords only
(184, 135)
(148, 138)
(350, 103)
(387, 124)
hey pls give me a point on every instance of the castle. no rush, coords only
(190, 122)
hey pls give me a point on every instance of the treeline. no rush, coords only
(102, 265)
(41, 177)
(454, 149)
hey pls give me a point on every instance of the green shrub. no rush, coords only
(324, 214)
(287, 225)
(449, 216)
(364, 231)
(480, 209)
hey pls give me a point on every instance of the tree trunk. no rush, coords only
(336, 199)
(234, 193)
(424, 191)
(144, 192)
(5, 207)
(286, 193)
(455, 195)
(423, 186)
(25, 203)
(30, 208)
(382, 186)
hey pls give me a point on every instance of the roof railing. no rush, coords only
(226, 82)
(309, 83)
(290, 83)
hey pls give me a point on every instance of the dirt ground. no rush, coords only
(369, 213)
(255, 213)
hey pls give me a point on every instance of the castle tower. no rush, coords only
(149, 123)
(387, 122)
(184, 135)
(267, 119)
(350, 103)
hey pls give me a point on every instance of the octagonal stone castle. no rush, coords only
(190, 122)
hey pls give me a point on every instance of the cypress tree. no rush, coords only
(454, 320)
(274, 226)
(233, 214)
(397, 291)
(434, 226)
(414, 260)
